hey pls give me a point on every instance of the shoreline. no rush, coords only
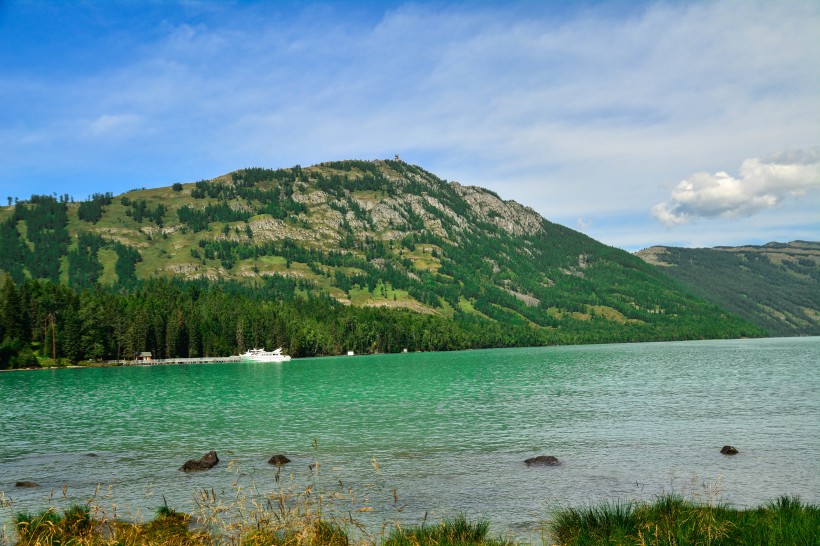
(235, 358)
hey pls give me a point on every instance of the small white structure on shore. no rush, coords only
(350, 353)
(144, 356)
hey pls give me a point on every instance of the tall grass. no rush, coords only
(75, 527)
(672, 520)
(49, 527)
(458, 531)
(304, 515)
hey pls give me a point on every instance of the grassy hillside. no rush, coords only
(367, 234)
(776, 286)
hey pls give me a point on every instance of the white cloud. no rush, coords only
(109, 125)
(762, 183)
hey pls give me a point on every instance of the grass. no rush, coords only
(609, 313)
(298, 513)
(295, 513)
(672, 520)
(454, 532)
(77, 528)
(108, 259)
(382, 292)
(467, 306)
(49, 527)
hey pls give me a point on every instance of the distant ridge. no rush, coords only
(776, 285)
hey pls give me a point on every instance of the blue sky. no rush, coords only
(638, 123)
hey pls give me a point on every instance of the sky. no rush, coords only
(638, 123)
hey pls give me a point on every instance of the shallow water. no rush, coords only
(447, 431)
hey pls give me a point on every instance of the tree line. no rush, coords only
(42, 321)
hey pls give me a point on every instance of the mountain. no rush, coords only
(356, 235)
(776, 286)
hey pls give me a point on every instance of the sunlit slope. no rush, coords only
(365, 233)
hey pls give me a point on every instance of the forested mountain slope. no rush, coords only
(352, 235)
(776, 286)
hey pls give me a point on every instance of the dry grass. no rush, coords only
(294, 514)
(301, 514)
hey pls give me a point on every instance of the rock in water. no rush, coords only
(205, 463)
(729, 450)
(26, 484)
(210, 458)
(278, 460)
(543, 460)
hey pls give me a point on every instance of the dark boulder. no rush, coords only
(729, 450)
(26, 484)
(205, 463)
(543, 460)
(278, 460)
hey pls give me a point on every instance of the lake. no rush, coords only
(428, 433)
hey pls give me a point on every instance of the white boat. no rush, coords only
(261, 355)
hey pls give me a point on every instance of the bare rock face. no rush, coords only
(543, 460)
(278, 460)
(207, 462)
(729, 450)
(510, 216)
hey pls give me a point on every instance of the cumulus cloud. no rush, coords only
(762, 183)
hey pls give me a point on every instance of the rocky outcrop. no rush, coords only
(207, 462)
(512, 217)
(26, 484)
(729, 450)
(278, 460)
(543, 460)
(653, 256)
(528, 300)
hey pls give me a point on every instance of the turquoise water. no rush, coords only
(447, 431)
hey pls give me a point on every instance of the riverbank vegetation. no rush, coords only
(670, 520)
(44, 323)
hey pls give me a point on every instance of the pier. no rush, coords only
(159, 361)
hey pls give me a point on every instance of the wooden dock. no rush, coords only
(159, 361)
